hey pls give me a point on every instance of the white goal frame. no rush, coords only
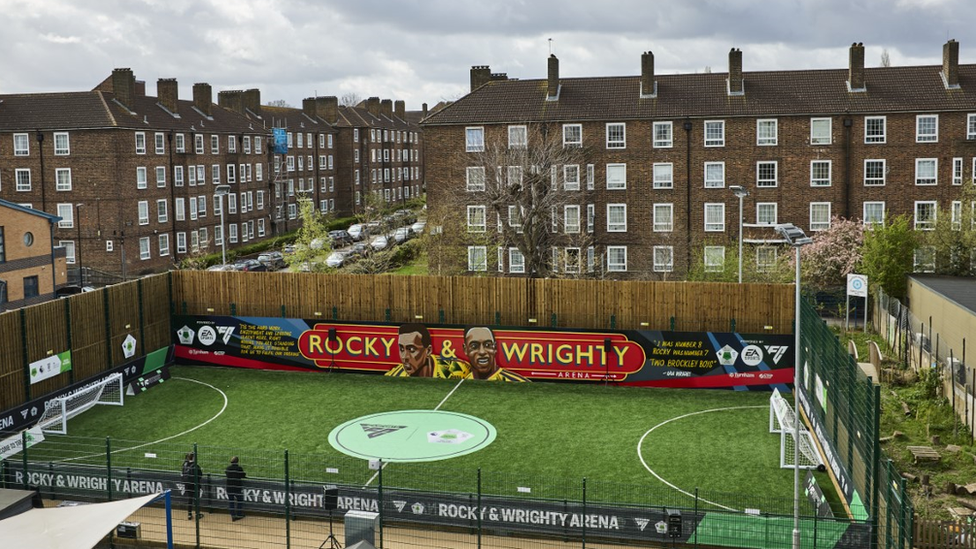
(782, 420)
(108, 390)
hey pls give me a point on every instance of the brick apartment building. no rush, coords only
(32, 265)
(139, 181)
(662, 151)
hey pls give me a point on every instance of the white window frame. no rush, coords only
(767, 132)
(763, 210)
(62, 178)
(21, 144)
(955, 208)
(925, 224)
(869, 221)
(180, 208)
(957, 165)
(160, 177)
(663, 217)
(474, 139)
(821, 181)
(971, 126)
(69, 250)
(819, 221)
(663, 175)
(663, 258)
(766, 258)
(477, 258)
(22, 179)
(143, 212)
(871, 135)
(62, 144)
(709, 169)
(144, 249)
(925, 133)
(872, 182)
(767, 183)
(817, 138)
(924, 259)
(474, 213)
(717, 130)
(159, 143)
(571, 177)
(713, 210)
(614, 210)
(928, 179)
(162, 210)
(140, 142)
(613, 184)
(516, 261)
(714, 259)
(142, 178)
(616, 264)
(518, 137)
(662, 135)
(163, 244)
(568, 139)
(67, 214)
(616, 133)
(475, 178)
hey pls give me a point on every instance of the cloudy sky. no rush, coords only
(421, 50)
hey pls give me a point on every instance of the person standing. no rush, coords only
(191, 474)
(235, 489)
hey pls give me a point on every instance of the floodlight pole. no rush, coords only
(795, 237)
(740, 192)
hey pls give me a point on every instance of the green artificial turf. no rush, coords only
(550, 435)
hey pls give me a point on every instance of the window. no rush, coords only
(198, 144)
(924, 259)
(874, 173)
(23, 179)
(232, 203)
(766, 174)
(616, 218)
(715, 133)
(21, 144)
(181, 243)
(571, 219)
(874, 213)
(3, 248)
(62, 177)
(247, 144)
(162, 213)
(144, 252)
(925, 171)
(517, 137)
(663, 175)
(590, 217)
(591, 177)
(178, 176)
(616, 176)
(477, 258)
(714, 217)
(765, 258)
(231, 173)
(714, 259)
(572, 135)
(616, 259)
(69, 250)
(516, 261)
(193, 208)
(160, 143)
(927, 128)
(180, 143)
(663, 259)
(232, 143)
(572, 261)
(925, 214)
(66, 213)
(257, 144)
(820, 131)
(164, 244)
(616, 135)
(143, 212)
(202, 206)
(474, 139)
(261, 225)
(819, 216)
(663, 135)
(31, 287)
(957, 171)
(514, 174)
(215, 174)
(571, 177)
(714, 175)
(663, 218)
(61, 144)
(215, 144)
(140, 143)
(180, 209)
(476, 219)
(820, 173)
(160, 176)
(874, 129)
(956, 210)
(141, 178)
(766, 132)
(766, 213)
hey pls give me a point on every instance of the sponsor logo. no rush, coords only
(752, 355)
(661, 527)
(207, 335)
(776, 351)
(373, 430)
(727, 355)
(186, 335)
(400, 505)
(642, 523)
(450, 436)
(417, 508)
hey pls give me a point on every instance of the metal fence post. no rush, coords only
(287, 500)
(23, 440)
(194, 504)
(584, 513)
(479, 507)
(379, 497)
(108, 466)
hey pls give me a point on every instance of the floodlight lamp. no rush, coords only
(793, 235)
(739, 191)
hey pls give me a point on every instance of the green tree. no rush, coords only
(312, 240)
(951, 243)
(888, 253)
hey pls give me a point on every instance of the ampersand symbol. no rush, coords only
(60, 481)
(447, 349)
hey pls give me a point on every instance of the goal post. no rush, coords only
(782, 421)
(108, 390)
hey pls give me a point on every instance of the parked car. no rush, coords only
(360, 249)
(402, 235)
(65, 291)
(356, 231)
(272, 260)
(250, 265)
(289, 249)
(225, 267)
(340, 238)
(379, 242)
(338, 259)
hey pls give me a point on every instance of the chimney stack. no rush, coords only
(647, 85)
(480, 75)
(855, 79)
(736, 86)
(124, 86)
(950, 64)
(387, 107)
(373, 106)
(202, 97)
(329, 109)
(231, 100)
(252, 100)
(168, 93)
(552, 90)
(399, 108)
(425, 110)
(310, 107)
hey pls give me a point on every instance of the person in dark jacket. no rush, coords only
(190, 475)
(235, 489)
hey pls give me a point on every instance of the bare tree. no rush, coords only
(525, 194)
(885, 58)
(279, 103)
(350, 99)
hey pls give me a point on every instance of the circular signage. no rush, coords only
(412, 435)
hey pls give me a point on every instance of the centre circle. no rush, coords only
(412, 435)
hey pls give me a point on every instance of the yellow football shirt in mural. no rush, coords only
(444, 368)
(501, 374)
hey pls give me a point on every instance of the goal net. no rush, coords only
(59, 411)
(782, 420)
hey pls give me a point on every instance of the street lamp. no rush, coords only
(81, 270)
(795, 237)
(740, 192)
(219, 192)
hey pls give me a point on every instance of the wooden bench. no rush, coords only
(924, 453)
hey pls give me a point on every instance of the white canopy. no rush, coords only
(78, 527)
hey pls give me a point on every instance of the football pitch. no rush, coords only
(663, 441)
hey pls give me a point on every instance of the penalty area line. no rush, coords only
(640, 454)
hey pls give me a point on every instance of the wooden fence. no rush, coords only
(944, 534)
(596, 304)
